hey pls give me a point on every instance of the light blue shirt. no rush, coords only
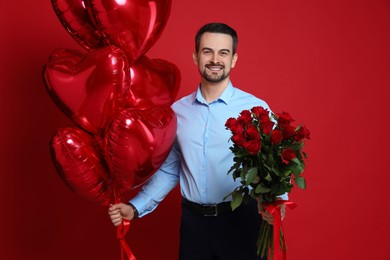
(200, 157)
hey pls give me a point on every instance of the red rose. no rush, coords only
(260, 112)
(266, 127)
(264, 119)
(288, 154)
(288, 132)
(302, 133)
(245, 117)
(276, 136)
(238, 129)
(238, 139)
(252, 133)
(231, 122)
(234, 126)
(253, 146)
(284, 119)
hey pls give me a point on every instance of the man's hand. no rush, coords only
(267, 216)
(120, 211)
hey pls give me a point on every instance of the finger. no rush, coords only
(116, 220)
(283, 211)
(114, 212)
(113, 207)
(115, 216)
(268, 217)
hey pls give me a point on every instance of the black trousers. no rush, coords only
(231, 236)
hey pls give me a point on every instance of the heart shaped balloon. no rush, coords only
(137, 143)
(132, 25)
(74, 16)
(153, 82)
(74, 153)
(89, 88)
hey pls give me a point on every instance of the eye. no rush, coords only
(206, 51)
(224, 53)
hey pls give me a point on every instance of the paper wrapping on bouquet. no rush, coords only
(274, 210)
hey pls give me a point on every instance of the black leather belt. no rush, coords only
(210, 209)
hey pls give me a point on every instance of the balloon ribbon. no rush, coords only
(120, 234)
(274, 210)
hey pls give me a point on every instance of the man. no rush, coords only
(200, 160)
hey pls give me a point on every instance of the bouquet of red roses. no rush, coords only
(268, 159)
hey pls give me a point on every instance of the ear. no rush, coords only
(195, 57)
(234, 60)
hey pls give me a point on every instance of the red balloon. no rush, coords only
(74, 16)
(90, 88)
(78, 163)
(153, 82)
(132, 25)
(137, 143)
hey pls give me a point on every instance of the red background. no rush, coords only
(325, 62)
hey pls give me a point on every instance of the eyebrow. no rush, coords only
(209, 49)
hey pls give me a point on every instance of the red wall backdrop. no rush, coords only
(325, 62)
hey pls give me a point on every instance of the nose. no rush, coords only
(214, 58)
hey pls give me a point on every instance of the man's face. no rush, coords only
(215, 56)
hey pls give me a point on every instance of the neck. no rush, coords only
(211, 91)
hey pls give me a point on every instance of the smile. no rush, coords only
(214, 67)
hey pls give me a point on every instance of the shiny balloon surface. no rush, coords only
(132, 25)
(76, 19)
(153, 82)
(137, 143)
(118, 98)
(89, 88)
(79, 164)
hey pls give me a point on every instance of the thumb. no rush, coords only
(113, 207)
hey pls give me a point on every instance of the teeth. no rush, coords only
(214, 68)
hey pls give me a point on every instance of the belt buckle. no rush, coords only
(215, 206)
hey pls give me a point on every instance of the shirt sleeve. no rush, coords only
(159, 185)
(283, 196)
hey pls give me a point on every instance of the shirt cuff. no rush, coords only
(284, 196)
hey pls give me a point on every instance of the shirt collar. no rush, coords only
(225, 96)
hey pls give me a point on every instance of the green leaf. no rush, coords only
(267, 167)
(234, 167)
(275, 188)
(296, 167)
(236, 174)
(237, 199)
(284, 188)
(296, 160)
(261, 188)
(297, 146)
(300, 182)
(250, 175)
(243, 173)
(285, 173)
(241, 153)
(277, 172)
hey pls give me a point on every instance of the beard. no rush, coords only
(214, 78)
